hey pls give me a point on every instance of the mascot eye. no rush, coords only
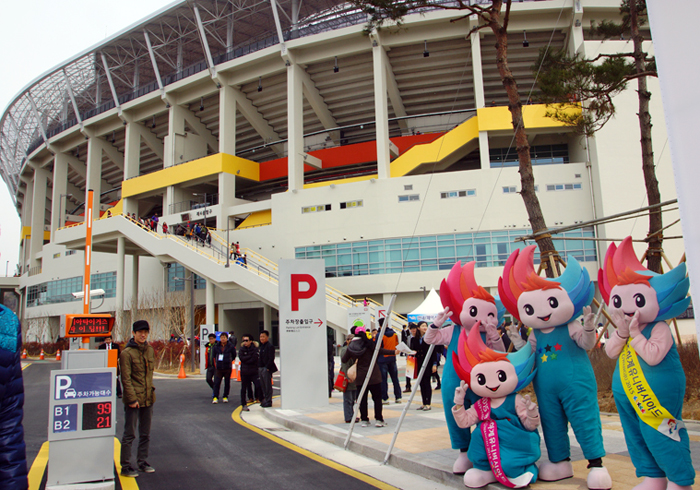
(529, 310)
(639, 300)
(473, 311)
(617, 301)
(502, 376)
(481, 379)
(553, 302)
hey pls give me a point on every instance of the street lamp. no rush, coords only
(191, 281)
(61, 212)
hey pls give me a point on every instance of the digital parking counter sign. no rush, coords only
(82, 403)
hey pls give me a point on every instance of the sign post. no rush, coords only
(302, 330)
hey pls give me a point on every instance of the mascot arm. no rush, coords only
(465, 418)
(585, 339)
(527, 411)
(439, 336)
(655, 349)
(614, 345)
(493, 338)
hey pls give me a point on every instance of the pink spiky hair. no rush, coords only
(460, 286)
(471, 351)
(617, 261)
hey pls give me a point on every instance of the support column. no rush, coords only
(26, 225)
(576, 35)
(227, 195)
(210, 304)
(227, 120)
(134, 307)
(60, 185)
(119, 307)
(267, 318)
(41, 177)
(173, 142)
(295, 127)
(94, 174)
(132, 162)
(381, 111)
(484, 155)
(477, 70)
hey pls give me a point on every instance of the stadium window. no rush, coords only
(316, 209)
(409, 197)
(451, 194)
(351, 204)
(539, 155)
(408, 187)
(509, 189)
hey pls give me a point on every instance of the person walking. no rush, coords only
(249, 356)
(209, 362)
(362, 348)
(224, 355)
(350, 393)
(266, 367)
(137, 362)
(412, 329)
(421, 348)
(387, 365)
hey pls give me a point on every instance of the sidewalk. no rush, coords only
(423, 445)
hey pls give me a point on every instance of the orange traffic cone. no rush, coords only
(182, 374)
(24, 354)
(41, 355)
(58, 355)
(235, 373)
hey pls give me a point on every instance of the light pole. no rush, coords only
(62, 218)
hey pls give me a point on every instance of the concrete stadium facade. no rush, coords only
(293, 132)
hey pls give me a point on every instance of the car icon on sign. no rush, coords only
(70, 393)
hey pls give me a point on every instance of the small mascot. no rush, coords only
(506, 444)
(471, 304)
(649, 382)
(565, 384)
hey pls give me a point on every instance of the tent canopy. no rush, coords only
(428, 310)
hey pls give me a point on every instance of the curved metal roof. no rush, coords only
(234, 28)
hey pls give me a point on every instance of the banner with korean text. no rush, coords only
(302, 331)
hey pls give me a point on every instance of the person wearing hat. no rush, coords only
(137, 362)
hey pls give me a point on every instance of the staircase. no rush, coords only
(259, 276)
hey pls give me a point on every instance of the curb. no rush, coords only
(371, 449)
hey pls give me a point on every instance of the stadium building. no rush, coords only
(283, 126)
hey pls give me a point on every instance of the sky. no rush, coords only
(37, 35)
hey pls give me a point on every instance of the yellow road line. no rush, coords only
(236, 416)
(26, 365)
(36, 472)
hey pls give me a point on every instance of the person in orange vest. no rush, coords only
(387, 365)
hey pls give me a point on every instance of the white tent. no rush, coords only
(428, 309)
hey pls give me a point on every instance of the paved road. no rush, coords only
(195, 444)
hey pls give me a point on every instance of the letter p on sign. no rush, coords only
(297, 294)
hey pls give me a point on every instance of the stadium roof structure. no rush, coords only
(189, 37)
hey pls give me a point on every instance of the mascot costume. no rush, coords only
(649, 382)
(565, 384)
(506, 444)
(467, 304)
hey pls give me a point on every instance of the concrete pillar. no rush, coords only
(227, 196)
(134, 287)
(119, 307)
(484, 156)
(381, 112)
(41, 177)
(210, 303)
(267, 318)
(60, 185)
(295, 127)
(477, 70)
(173, 142)
(26, 224)
(227, 120)
(132, 162)
(576, 37)
(94, 174)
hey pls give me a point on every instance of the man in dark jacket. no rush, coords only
(224, 355)
(249, 356)
(137, 362)
(210, 365)
(13, 459)
(109, 345)
(266, 367)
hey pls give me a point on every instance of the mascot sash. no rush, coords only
(643, 399)
(489, 432)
